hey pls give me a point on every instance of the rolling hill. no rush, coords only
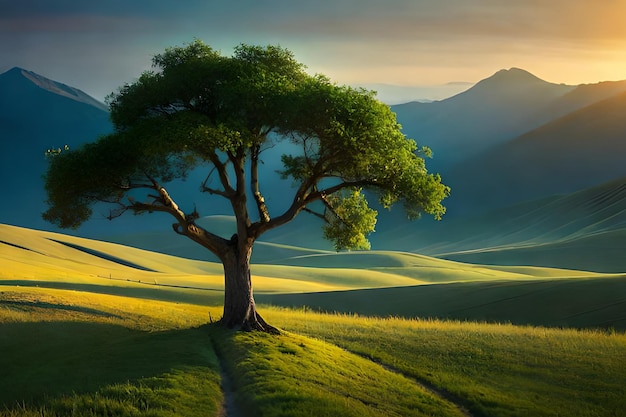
(582, 230)
(370, 283)
(32, 255)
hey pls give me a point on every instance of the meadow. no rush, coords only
(89, 328)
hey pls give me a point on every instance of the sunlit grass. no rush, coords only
(70, 353)
(292, 375)
(76, 338)
(496, 369)
(36, 256)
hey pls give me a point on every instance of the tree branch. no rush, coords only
(185, 224)
(341, 186)
(213, 191)
(254, 184)
(306, 194)
(228, 191)
(299, 202)
(315, 213)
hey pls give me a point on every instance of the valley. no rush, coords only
(513, 305)
(469, 340)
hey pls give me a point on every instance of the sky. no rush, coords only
(98, 46)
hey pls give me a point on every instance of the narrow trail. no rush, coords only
(229, 406)
(427, 386)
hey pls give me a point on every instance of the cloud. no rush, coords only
(398, 41)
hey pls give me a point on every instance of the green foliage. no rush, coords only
(348, 134)
(198, 106)
(108, 169)
(349, 220)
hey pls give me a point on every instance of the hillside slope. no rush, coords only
(32, 255)
(495, 110)
(582, 230)
(38, 114)
(376, 283)
(582, 149)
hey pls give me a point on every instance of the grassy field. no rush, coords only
(584, 303)
(74, 353)
(491, 369)
(89, 328)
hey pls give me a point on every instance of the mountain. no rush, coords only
(37, 114)
(521, 141)
(579, 150)
(493, 111)
(19, 79)
(399, 94)
(582, 96)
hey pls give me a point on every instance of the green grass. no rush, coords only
(575, 302)
(293, 375)
(493, 369)
(74, 342)
(68, 353)
(75, 353)
(39, 256)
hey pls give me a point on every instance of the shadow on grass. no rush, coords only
(297, 376)
(137, 290)
(586, 303)
(105, 367)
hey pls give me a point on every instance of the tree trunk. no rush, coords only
(239, 307)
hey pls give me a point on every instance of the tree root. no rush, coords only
(254, 323)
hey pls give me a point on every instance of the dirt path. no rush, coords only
(229, 407)
(428, 387)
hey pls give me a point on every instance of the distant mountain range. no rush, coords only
(509, 143)
(496, 109)
(37, 114)
(582, 149)
(514, 137)
(398, 94)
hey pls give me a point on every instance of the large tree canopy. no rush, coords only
(199, 108)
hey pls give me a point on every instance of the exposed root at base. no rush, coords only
(253, 323)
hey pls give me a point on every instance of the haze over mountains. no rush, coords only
(37, 114)
(514, 137)
(506, 146)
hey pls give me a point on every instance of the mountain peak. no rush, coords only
(17, 74)
(14, 70)
(514, 75)
(515, 71)
(513, 85)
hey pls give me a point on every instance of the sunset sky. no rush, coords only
(99, 45)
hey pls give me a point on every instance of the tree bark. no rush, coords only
(239, 307)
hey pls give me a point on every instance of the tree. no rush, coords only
(200, 109)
